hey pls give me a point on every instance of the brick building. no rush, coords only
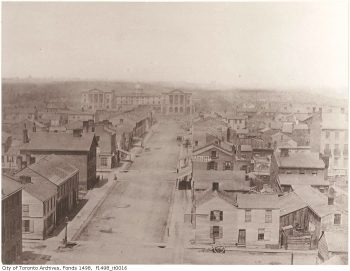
(11, 221)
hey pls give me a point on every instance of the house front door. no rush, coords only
(241, 237)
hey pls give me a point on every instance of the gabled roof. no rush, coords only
(42, 141)
(290, 203)
(39, 187)
(54, 168)
(210, 194)
(257, 201)
(211, 146)
(315, 200)
(8, 186)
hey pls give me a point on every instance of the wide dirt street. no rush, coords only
(132, 222)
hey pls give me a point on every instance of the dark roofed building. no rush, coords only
(78, 149)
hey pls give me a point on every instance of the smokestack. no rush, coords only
(215, 186)
(25, 134)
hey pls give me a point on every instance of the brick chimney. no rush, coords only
(25, 134)
(25, 179)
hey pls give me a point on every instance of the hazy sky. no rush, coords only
(278, 45)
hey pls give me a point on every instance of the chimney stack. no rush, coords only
(25, 179)
(77, 133)
(331, 195)
(215, 186)
(25, 134)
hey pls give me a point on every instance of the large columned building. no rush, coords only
(176, 102)
(94, 99)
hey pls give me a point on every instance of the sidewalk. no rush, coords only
(95, 199)
(245, 249)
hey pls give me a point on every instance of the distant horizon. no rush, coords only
(246, 45)
(194, 84)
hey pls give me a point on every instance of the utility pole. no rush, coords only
(65, 240)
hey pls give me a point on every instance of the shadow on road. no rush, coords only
(29, 257)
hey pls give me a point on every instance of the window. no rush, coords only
(314, 173)
(301, 171)
(212, 165)
(216, 232)
(213, 154)
(327, 134)
(261, 234)
(27, 226)
(268, 216)
(227, 165)
(337, 219)
(216, 215)
(104, 161)
(248, 215)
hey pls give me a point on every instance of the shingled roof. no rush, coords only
(210, 194)
(54, 168)
(39, 187)
(257, 201)
(300, 160)
(8, 186)
(58, 142)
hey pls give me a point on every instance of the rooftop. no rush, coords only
(301, 179)
(289, 203)
(300, 160)
(54, 168)
(257, 201)
(210, 194)
(227, 179)
(315, 200)
(42, 141)
(8, 186)
(39, 187)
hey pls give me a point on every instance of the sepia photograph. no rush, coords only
(174, 133)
